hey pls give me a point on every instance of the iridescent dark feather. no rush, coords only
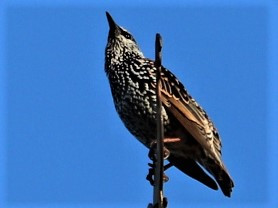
(132, 79)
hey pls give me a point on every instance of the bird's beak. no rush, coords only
(112, 24)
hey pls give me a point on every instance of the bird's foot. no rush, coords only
(166, 152)
(150, 176)
(153, 156)
(152, 153)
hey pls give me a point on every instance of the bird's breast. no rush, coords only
(135, 101)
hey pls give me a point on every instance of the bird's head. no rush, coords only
(120, 43)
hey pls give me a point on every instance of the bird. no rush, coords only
(132, 79)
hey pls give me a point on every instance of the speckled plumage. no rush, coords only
(132, 79)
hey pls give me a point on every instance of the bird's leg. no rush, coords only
(152, 152)
(166, 156)
(151, 173)
(169, 165)
(169, 140)
(153, 157)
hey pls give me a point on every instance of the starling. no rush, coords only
(132, 79)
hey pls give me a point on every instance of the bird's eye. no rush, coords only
(128, 36)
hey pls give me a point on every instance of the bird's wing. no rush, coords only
(190, 114)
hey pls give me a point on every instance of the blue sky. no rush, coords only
(61, 141)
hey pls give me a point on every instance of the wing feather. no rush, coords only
(190, 114)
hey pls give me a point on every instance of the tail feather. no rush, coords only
(225, 182)
(221, 175)
(192, 169)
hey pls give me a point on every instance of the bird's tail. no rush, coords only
(191, 168)
(220, 174)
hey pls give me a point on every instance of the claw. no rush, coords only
(166, 153)
(165, 178)
(152, 151)
(152, 156)
(151, 165)
(150, 176)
